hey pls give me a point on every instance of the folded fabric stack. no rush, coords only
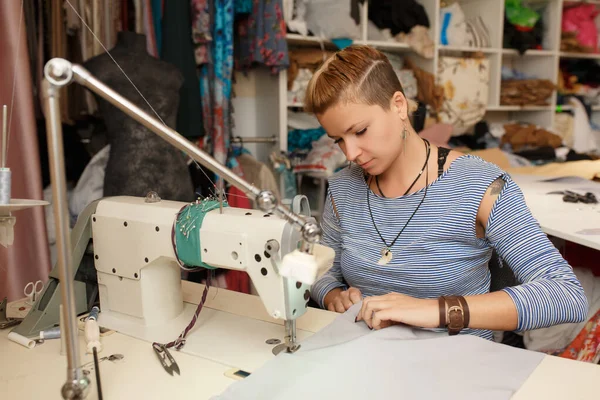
(526, 92)
(528, 135)
(570, 43)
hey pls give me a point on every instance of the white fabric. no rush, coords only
(346, 360)
(584, 137)
(456, 33)
(331, 19)
(90, 185)
(302, 120)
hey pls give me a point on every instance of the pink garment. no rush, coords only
(28, 259)
(580, 19)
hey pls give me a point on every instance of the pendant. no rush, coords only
(386, 256)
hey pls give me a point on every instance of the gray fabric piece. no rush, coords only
(346, 360)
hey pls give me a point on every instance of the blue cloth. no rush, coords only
(439, 252)
(243, 6)
(302, 139)
(157, 20)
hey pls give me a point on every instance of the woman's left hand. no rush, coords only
(382, 311)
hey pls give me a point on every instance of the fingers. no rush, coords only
(371, 306)
(346, 301)
(382, 319)
(339, 305)
(355, 295)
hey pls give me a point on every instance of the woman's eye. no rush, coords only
(361, 132)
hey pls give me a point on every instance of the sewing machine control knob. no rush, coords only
(266, 200)
(152, 197)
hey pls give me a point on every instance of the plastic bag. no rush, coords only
(519, 15)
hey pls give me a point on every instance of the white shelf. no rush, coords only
(567, 107)
(597, 2)
(505, 108)
(485, 50)
(515, 53)
(312, 41)
(565, 54)
(385, 46)
(295, 104)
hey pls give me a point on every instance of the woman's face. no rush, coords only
(367, 134)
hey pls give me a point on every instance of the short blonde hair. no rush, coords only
(359, 74)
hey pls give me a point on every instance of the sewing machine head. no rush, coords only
(136, 240)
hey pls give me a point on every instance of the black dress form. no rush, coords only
(141, 161)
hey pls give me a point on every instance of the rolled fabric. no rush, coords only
(22, 340)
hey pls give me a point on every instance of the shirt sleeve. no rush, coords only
(549, 293)
(331, 237)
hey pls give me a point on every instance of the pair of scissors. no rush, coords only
(32, 292)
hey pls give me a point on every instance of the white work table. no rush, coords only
(41, 372)
(575, 222)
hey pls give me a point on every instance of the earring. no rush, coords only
(404, 133)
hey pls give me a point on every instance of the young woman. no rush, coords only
(413, 226)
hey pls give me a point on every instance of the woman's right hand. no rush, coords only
(339, 300)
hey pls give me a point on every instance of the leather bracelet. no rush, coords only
(466, 312)
(442, 304)
(455, 315)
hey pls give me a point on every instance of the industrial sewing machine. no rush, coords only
(138, 275)
(134, 254)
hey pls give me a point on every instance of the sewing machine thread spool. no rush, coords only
(4, 186)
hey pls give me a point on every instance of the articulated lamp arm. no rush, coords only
(59, 73)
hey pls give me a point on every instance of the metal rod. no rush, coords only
(63, 238)
(4, 135)
(85, 78)
(260, 139)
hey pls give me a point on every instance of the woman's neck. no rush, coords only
(402, 172)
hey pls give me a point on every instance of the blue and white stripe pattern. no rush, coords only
(439, 252)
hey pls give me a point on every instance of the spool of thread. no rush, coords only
(4, 185)
(52, 333)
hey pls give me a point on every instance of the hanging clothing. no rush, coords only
(178, 50)
(157, 13)
(149, 29)
(243, 7)
(201, 32)
(216, 80)
(258, 174)
(262, 37)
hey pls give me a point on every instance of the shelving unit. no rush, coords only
(542, 63)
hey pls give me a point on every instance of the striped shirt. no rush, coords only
(439, 252)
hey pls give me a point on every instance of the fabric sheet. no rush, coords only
(346, 360)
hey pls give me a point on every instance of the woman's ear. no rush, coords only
(400, 105)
